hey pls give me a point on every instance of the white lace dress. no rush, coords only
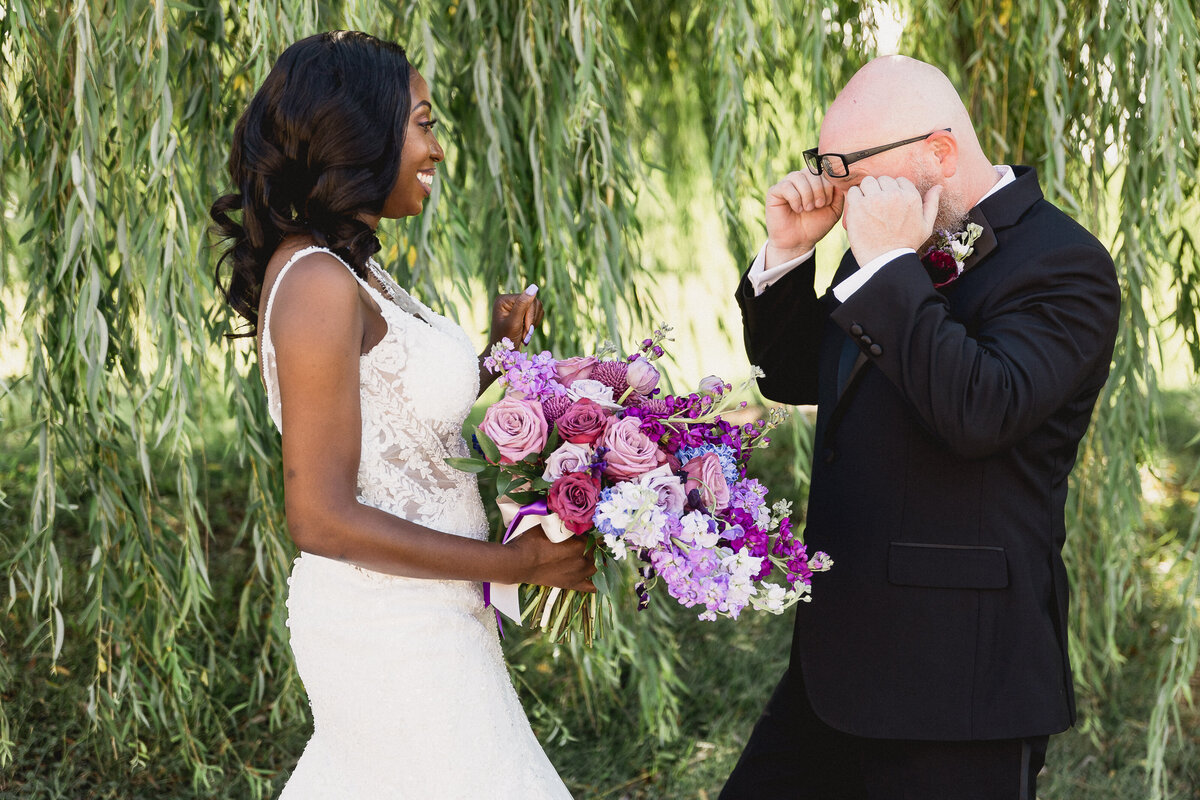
(409, 691)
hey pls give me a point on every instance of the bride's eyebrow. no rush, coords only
(425, 103)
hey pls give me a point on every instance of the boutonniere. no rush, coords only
(945, 257)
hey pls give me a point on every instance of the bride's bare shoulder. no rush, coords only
(317, 291)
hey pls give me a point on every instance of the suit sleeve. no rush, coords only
(782, 328)
(1046, 337)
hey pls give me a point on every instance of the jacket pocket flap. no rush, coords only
(945, 566)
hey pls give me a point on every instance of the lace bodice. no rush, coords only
(416, 387)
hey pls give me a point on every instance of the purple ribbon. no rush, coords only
(538, 509)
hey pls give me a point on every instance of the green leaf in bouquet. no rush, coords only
(525, 498)
(490, 451)
(602, 580)
(552, 442)
(505, 481)
(475, 465)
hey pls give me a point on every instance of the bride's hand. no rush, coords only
(515, 316)
(567, 565)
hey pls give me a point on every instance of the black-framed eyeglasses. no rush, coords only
(837, 165)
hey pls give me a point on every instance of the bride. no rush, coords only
(369, 388)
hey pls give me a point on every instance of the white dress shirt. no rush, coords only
(760, 277)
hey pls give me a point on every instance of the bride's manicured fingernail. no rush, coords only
(531, 289)
(528, 335)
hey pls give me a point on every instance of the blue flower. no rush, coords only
(725, 453)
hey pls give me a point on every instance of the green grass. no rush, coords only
(597, 740)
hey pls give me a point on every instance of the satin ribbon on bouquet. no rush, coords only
(504, 597)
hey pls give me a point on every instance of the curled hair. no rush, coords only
(318, 146)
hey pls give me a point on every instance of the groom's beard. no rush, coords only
(951, 216)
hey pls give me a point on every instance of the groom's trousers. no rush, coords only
(793, 755)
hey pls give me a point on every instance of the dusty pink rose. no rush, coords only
(583, 422)
(569, 370)
(566, 458)
(517, 426)
(573, 498)
(642, 376)
(630, 452)
(711, 384)
(704, 473)
(671, 494)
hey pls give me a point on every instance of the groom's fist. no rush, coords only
(887, 213)
(801, 209)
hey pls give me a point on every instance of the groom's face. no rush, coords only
(909, 161)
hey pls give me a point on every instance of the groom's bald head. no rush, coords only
(895, 98)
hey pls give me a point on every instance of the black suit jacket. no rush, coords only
(940, 473)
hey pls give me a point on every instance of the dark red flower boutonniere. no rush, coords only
(945, 257)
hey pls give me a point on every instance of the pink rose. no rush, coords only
(569, 370)
(671, 494)
(517, 426)
(711, 384)
(567, 458)
(642, 376)
(573, 498)
(583, 422)
(704, 473)
(630, 452)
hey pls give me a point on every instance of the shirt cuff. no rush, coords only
(760, 277)
(856, 281)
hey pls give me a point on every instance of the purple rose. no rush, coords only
(630, 452)
(573, 497)
(583, 422)
(642, 376)
(704, 473)
(671, 494)
(569, 370)
(567, 458)
(517, 426)
(712, 385)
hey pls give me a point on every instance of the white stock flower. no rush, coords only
(615, 545)
(694, 526)
(771, 599)
(741, 566)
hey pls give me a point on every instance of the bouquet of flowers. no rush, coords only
(590, 446)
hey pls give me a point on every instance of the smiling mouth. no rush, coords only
(426, 179)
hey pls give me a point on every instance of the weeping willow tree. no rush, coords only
(561, 114)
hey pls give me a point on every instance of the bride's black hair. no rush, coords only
(318, 145)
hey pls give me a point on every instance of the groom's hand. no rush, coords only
(886, 213)
(801, 209)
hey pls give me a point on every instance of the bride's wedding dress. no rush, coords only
(409, 692)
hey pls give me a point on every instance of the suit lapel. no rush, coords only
(986, 242)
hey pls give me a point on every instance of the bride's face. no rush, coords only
(418, 159)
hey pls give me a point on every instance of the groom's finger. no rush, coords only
(787, 191)
(929, 205)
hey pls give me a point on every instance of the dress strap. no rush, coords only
(267, 352)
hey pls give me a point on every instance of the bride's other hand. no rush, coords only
(515, 316)
(567, 565)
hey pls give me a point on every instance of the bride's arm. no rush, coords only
(317, 325)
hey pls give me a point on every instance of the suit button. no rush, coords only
(856, 330)
(865, 339)
(876, 350)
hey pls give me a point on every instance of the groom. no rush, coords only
(932, 662)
